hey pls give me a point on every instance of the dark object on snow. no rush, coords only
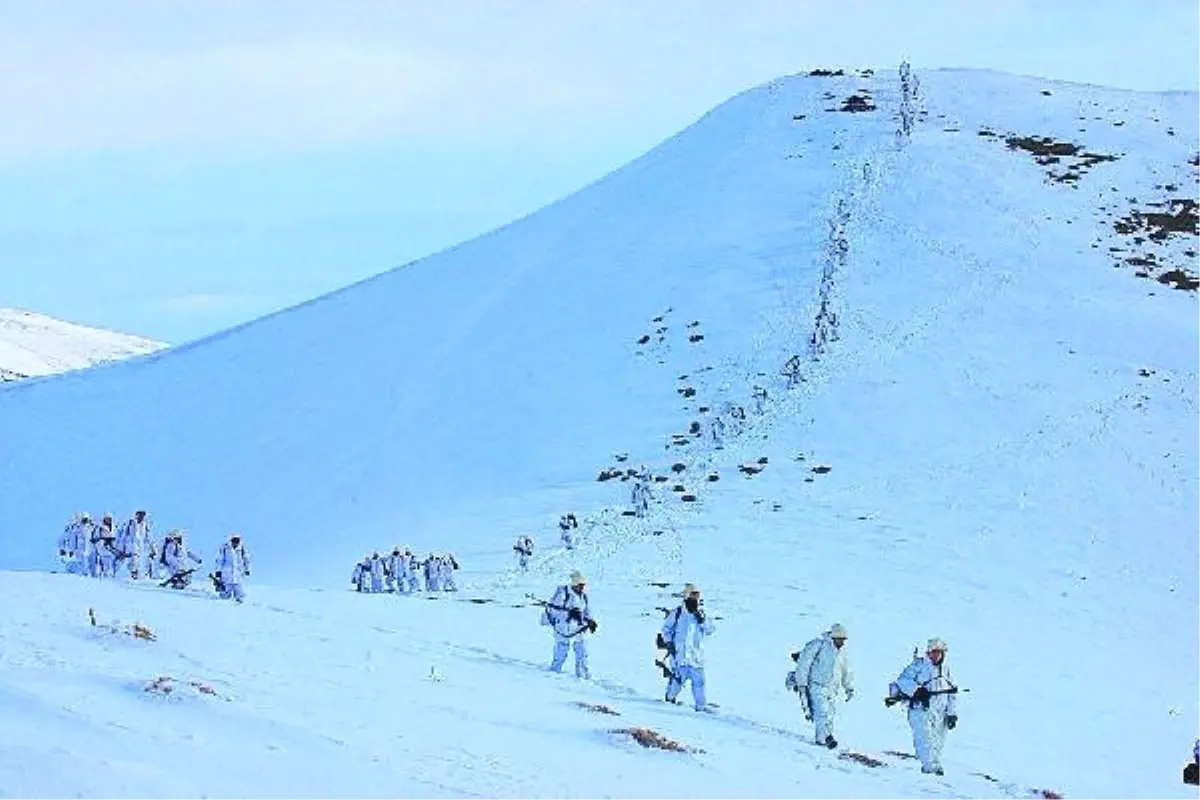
(1191, 773)
(179, 580)
(218, 584)
(921, 696)
(860, 758)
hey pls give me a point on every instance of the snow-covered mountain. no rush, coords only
(991, 437)
(35, 345)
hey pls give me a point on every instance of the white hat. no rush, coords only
(689, 589)
(577, 578)
(936, 644)
(837, 631)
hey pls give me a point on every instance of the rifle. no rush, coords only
(179, 580)
(662, 643)
(891, 701)
(588, 624)
(537, 601)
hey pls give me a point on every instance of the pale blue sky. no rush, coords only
(174, 168)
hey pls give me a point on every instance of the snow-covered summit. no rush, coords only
(34, 345)
(989, 434)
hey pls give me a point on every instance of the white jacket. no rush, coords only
(74, 539)
(557, 613)
(133, 537)
(823, 667)
(233, 563)
(923, 672)
(686, 635)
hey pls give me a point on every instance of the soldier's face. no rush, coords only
(936, 656)
(838, 643)
(579, 587)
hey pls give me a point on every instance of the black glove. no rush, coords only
(921, 695)
(62, 552)
(592, 625)
(951, 721)
(247, 573)
(574, 615)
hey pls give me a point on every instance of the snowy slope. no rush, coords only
(343, 695)
(34, 345)
(998, 445)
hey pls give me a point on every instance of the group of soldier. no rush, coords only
(568, 531)
(821, 677)
(401, 572)
(108, 550)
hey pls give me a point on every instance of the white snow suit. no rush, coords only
(360, 575)
(133, 540)
(233, 567)
(375, 570)
(73, 547)
(103, 552)
(393, 568)
(567, 527)
(568, 614)
(175, 555)
(409, 576)
(760, 399)
(685, 632)
(821, 670)
(449, 565)
(640, 497)
(716, 430)
(928, 720)
(152, 562)
(524, 549)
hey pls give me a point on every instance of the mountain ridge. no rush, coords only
(34, 345)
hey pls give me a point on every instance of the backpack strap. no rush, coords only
(675, 623)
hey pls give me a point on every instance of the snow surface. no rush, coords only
(1009, 424)
(34, 345)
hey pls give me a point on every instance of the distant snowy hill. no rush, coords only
(35, 345)
(986, 288)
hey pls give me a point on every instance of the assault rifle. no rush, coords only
(897, 698)
(537, 601)
(587, 624)
(179, 580)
